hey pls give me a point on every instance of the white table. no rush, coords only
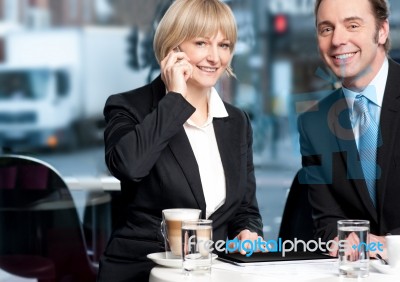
(8, 277)
(107, 183)
(317, 271)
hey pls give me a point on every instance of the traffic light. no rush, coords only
(279, 32)
(280, 24)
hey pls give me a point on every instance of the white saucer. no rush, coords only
(160, 259)
(386, 269)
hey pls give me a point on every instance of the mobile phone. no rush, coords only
(176, 49)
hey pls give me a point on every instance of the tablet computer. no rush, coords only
(239, 259)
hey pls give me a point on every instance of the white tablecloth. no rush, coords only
(317, 271)
(8, 277)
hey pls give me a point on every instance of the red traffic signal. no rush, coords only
(280, 24)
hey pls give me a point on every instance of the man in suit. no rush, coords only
(353, 40)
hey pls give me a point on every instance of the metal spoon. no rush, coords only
(383, 261)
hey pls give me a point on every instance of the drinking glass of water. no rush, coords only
(353, 248)
(196, 246)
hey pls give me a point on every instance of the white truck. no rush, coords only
(54, 83)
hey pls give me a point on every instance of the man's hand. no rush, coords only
(380, 241)
(334, 248)
(352, 239)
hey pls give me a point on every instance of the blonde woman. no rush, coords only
(175, 144)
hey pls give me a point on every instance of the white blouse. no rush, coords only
(204, 145)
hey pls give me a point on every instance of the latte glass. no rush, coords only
(171, 227)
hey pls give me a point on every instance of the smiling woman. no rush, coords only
(175, 144)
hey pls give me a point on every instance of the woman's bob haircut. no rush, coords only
(188, 19)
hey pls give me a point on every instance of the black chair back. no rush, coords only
(39, 222)
(297, 219)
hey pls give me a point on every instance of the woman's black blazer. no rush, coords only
(147, 149)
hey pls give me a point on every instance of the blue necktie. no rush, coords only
(367, 145)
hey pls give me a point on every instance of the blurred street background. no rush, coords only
(61, 59)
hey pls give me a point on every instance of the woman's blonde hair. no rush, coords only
(188, 19)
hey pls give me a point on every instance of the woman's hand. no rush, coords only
(175, 71)
(248, 235)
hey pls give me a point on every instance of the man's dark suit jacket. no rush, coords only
(332, 170)
(148, 150)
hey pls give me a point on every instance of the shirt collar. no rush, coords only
(216, 107)
(375, 90)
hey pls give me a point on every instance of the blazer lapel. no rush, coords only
(389, 122)
(228, 140)
(180, 147)
(342, 128)
(182, 151)
(338, 117)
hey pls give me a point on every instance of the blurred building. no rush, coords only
(59, 13)
(276, 58)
